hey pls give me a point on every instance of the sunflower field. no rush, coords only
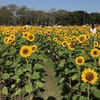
(25, 52)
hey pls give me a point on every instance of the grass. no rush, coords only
(52, 91)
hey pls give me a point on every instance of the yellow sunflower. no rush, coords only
(95, 44)
(25, 51)
(71, 46)
(58, 42)
(79, 60)
(81, 38)
(30, 37)
(88, 36)
(25, 34)
(6, 40)
(94, 52)
(89, 75)
(85, 43)
(64, 43)
(49, 38)
(55, 39)
(12, 36)
(34, 48)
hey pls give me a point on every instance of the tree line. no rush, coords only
(15, 15)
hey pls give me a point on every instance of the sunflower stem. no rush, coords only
(88, 98)
(26, 61)
(29, 75)
(79, 73)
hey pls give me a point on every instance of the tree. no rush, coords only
(13, 9)
(5, 16)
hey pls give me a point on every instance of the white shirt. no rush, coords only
(93, 30)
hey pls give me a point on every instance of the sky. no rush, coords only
(88, 6)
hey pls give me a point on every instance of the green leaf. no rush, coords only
(45, 60)
(61, 80)
(12, 50)
(74, 77)
(40, 84)
(16, 77)
(13, 85)
(40, 56)
(17, 92)
(88, 65)
(14, 64)
(66, 71)
(76, 87)
(5, 54)
(35, 75)
(29, 87)
(38, 66)
(82, 98)
(93, 88)
(97, 94)
(61, 53)
(71, 60)
(28, 67)
(19, 72)
(5, 76)
(75, 97)
(73, 70)
(8, 62)
(83, 86)
(33, 56)
(4, 90)
(62, 62)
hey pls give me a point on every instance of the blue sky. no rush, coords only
(69, 5)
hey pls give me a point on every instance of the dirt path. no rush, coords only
(51, 88)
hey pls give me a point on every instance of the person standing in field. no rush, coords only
(93, 29)
(93, 32)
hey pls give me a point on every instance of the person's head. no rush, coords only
(93, 26)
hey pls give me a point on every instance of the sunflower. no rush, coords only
(30, 37)
(88, 36)
(85, 43)
(94, 52)
(89, 75)
(58, 42)
(11, 41)
(49, 38)
(34, 48)
(79, 60)
(81, 38)
(71, 46)
(65, 38)
(25, 34)
(64, 43)
(25, 51)
(95, 44)
(13, 36)
(55, 39)
(74, 38)
(6, 40)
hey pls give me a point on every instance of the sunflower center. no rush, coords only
(33, 48)
(30, 37)
(81, 38)
(71, 45)
(25, 51)
(79, 60)
(89, 76)
(64, 43)
(95, 53)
